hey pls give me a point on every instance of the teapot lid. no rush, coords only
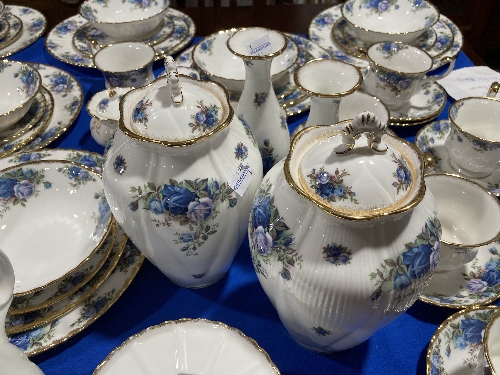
(354, 170)
(175, 109)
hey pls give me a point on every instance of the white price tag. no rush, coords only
(241, 179)
(260, 47)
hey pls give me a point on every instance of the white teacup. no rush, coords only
(397, 70)
(491, 342)
(469, 216)
(473, 144)
(126, 64)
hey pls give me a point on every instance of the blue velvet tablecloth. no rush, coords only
(237, 300)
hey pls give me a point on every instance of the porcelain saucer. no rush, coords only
(455, 346)
(448, 43)
(35, 131)
(57, 331)
(14, 31)
(431, 138)
(4, 28)
(33, 26)
(59, 42)
(28, 121)
(475, 284)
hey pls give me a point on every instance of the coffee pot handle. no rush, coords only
(493, 90)
(364, 122)
(173, 80)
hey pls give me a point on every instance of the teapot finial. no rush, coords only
(364, 122)
(173, 80)
(493, 90)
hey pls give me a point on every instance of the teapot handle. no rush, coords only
(173, 80)
(364, 122)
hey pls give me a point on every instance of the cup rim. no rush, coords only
(125, 71)
(463, 131)
(467, 180)
(487, 331)
(257, 57)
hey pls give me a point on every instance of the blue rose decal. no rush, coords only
(24, 189)
(262, 241)
(7, 187)
(417, 260)
(155, 206)
(492, 277)
(186, 237)
(261, 213)
(200, 210)
(472, 330)
(176, 199)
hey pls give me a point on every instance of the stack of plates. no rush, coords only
(443, 40)
(19, 28)
(70, 40)
(64, 302)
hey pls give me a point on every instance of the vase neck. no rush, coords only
(324, 111)
(257, 75)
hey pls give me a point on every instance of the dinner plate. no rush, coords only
(431, 138)
(448, 38)
(34, 24)
(15, 323)
(475, 284)
(55, 332)
(59, 42)
(455, 347)
(188, 346)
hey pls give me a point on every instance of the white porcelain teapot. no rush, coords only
(343, 235)
(167, 175)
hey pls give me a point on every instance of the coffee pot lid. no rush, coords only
(355, 170)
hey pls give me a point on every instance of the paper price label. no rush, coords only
(241, 179)
(260, 47)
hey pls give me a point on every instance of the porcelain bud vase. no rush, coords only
(326, 81)
(167, 175)
(12, 360)
(258, 106)
(337, 259)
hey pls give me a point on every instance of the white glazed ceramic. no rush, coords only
(474, 143)
(326, 81)
(184, 218)
(2, 8)
(397, 70)
(4, 27)
(358, 101)
(103, 108)
(337, 258)
(492, 343)
(20, 84)
(389, 20)
(457, 346)
(126, 64)
(187, 346)
(124, 20)
(52, 213)
(213, 58)
(258, 106)
(466, 211)
(12, 360)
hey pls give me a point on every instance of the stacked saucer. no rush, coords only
(348, 30)
(68, 298)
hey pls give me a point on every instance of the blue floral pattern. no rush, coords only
(337, 254)
(139, 114)
(248, 131)
(29, 80)
(380, 6)
(389, 49)
(241, 151)
(270, 237)
(206, 46)
(193, 204)
(402, 174)
(120, 165)
(418, 260)
(331, 187)
(260, 98)
(77, 175)
(60, 83)
(320, 331)
(267, 154)
(18, 185)
(206, 118)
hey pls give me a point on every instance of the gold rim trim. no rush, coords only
(497, 236)
(436, 10)
(16, 33)
(188, 142)
(375, 45)
(74, 39)
(74, 288)
(30, 99)
(6, 24)
(375, 214)
(106, 49)
(40, 321)
(263, 57)
(442, 326)
(183, 321)
(87, 2)
(92, 111)
(106, 233)
(452, 41)
(40, 98)
(44, 122)
(319, 95)
(116, 296)
(188, 37)
(299, 111)
(487, 332)
(459, 128)
(346, 48)
(347, 38)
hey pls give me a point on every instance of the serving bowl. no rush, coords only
(53, 217)
(125, 20)
(388, 20)
(20, 83)
(215, 60)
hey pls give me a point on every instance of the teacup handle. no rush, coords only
(493, 90)
(173, 80)
(445, 60)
